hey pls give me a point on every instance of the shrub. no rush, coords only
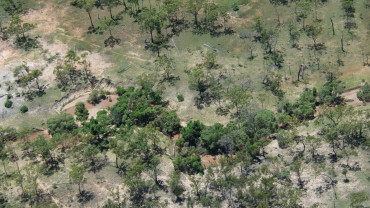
(283, 140)
(265, 122)
(81, 112)
(180, 97)
(8, 104)
(62, 123)
(330, 92)
(168, 122)
(364, 93)
(235, 7)
(95, 96)
(188, 164)
(24, 109)
(192, 132)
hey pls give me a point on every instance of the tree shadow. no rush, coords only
(319, 158)
(85, 196)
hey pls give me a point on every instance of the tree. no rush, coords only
(18, 28)
(3, 155)
(168, 122)
(193, 7)
(265, 123)
(358, 198)
(344, 172)
(175, 185)
(107, 24)
(110, 5)
(238, 98)
(62, 123)
(164, 64)
(298, 168)
(275, 4)
(314, 31)
(81, 112)
(330, 92)
(294, 34)
(76, 176)
(89, 155)
(88, 6)
(364, 93)
(4, 19)
(150, 20)
(315, 143)
(303, 8)
(45, 149)
(192, 132)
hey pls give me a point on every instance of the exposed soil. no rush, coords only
(351, 96)
(208, 160)
(6, 53)
(93, 109)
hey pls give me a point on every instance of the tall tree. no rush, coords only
(193, 7)
(88, 6)
(76, 176)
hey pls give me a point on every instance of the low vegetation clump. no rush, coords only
(364, 93)
(23, 109)
(8, 104)
(268, 121)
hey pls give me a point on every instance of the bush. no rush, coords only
(188, 164)
(180, 97)
(8, 104)
(235, 7)
(24, 109)
(283, 140)
(62, 123)
(364, 93)
(265, 122)
(192, 132)
(95, 96)
(330, 92)
(81, 112)
(168, 122)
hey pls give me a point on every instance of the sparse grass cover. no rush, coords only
(193, 103)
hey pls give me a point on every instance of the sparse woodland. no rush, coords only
(184, 103)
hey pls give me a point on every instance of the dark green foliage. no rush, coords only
(192, 132)
(81, 112)
(24, 109)
(3, 201)
(95, 97)
(62, 123)
(304, 107)
(8, 104)
(364, 93)
(330, 92)
(98, 127)
(358, 198)
(188, 163)
(135, 107)
(45, 149)
(283, 140)
(272, 82)
(265, 122)
(282, 174)
(168, 122)
(175, 184)
(180, 97)
(235, 7)
(210, 137)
